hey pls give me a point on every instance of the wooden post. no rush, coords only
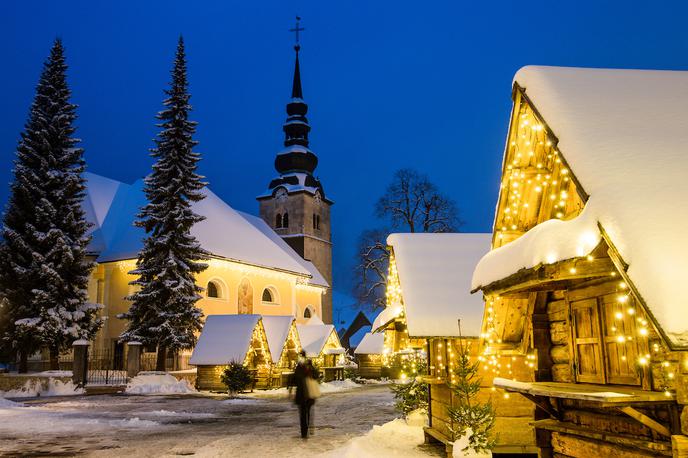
(133, 358)
(80, 363)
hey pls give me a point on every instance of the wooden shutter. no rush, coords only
(621, 356)
(587, 341)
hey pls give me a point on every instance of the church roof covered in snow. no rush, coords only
(225, 338)
(313, 337)
(226, 233)
(277, 331)
(624, 134)
(371, 344)
(435, 276)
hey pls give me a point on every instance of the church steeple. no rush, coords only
(295, 205)
(296, 157)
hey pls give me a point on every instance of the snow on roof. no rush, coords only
(316, 277)
(314, 320)
(624, 133)
(388, 314)
(295, 149)
(435, 276)
(372, 344)
(225, 232)
(313, 337)
(224, 338)
(277, 330)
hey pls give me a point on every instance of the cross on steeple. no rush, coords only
(296, 31)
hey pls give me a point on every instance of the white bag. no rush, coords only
(312, 388)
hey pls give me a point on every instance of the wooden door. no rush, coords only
(245, 297)
(587, 340)
(621, 352)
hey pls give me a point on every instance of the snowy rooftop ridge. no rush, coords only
(435, 276)
(371, 344)
(225, 338)
(314, 337)
(624, 133)
(112, 207)
(277, 330)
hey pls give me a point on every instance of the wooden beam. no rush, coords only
(543, 404)
(645, 420)
(551, 276)
(656, 448)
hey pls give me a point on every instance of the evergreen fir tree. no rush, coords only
(44, 270)
(467, 414)
(163, 312)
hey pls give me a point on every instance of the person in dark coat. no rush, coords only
(304, 369)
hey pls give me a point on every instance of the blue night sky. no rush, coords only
(389, 84)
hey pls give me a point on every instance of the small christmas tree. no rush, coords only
(469, 416)
(237, 377)
(412, 393)
(44, 271)
(164, 311)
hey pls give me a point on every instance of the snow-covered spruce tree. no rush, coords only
(469, 416)
(43, 265)
(164, 311)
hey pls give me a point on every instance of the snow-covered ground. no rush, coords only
(208, 425)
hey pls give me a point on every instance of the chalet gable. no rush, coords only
(618, 139)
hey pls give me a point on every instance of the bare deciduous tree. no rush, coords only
(411, 203)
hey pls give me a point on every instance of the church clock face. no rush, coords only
(318, 198)
(281, 194)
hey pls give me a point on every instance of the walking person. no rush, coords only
(305, 379)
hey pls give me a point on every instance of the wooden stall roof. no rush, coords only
(606, 121)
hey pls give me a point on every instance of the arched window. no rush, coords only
(285, 220)
(307, 312)
(278, 221)
(315, 221)
(270, 296)
(213, 289)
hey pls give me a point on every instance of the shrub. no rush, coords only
(412, 394)
(236, 377)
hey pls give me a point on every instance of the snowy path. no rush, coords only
(189, 425)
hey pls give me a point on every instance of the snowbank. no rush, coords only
(396, 438)
(338, 385)
(158, 383)
(51, 387)
(334, 386)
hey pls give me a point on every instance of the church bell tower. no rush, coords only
(295, 204)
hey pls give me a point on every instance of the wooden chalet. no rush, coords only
(368, 355)
(228, 338)
(284, 344)
(321, 344)
(430, 277)
(588, 260)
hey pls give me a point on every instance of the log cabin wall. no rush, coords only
(513, 413)
(369, 366)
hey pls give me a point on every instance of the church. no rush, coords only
(277, 264)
